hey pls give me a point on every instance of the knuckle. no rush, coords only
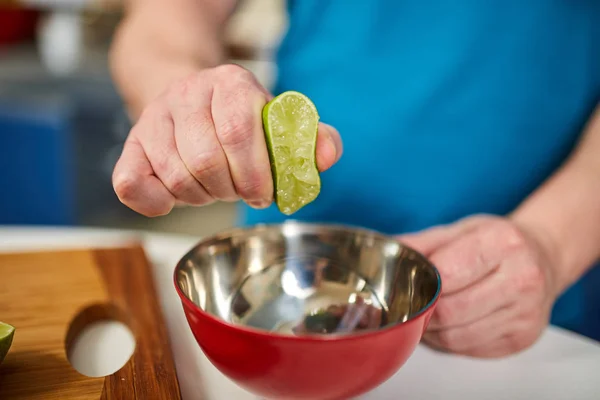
(236, 132)
(181, 88)
(233, 73)
(149, 113)
(530, 278)
(154, 123)
(482, 218)
(205, 163)
(138, 130)
(534, 274)
(160, 164)
(238, 87)
(184, 88)
(177, 183)
(513, 236)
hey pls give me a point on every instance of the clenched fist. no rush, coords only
(202, 140)
(499, 285)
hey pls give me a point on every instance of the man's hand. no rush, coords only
(498, 285)
(202, 140)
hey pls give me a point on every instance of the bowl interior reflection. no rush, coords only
(300, 278)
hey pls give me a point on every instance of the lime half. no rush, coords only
(6, 337)
(291, 122)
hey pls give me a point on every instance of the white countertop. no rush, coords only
(561, 365)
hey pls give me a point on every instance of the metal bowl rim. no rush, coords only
(307, 338)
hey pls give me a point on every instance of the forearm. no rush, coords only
(565, 211)
(160, 41)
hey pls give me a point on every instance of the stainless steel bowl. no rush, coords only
(299, 278)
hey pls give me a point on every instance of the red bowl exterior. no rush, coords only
(316, 368)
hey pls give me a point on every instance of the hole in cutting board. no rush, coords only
(102, 348)
(98, 342)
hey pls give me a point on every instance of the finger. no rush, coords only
(522, 337)
(329, 147)
(196, 140)
(477, 301)
(429, 240)
(136, 186)
(473, 335)
(498, 349)
(155, 133)
(470, 257)
(236, 110)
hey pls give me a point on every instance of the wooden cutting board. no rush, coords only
(51, 296)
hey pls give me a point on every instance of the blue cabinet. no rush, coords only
(37, 169)
(58, 143)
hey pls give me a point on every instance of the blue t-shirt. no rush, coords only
(446, 108)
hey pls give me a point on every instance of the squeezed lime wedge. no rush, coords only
(7, 332)
(291, 122)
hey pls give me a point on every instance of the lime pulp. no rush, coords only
(291, 122)
(7, 333)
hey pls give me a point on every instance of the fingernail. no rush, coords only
(335, 140)
(259, 204)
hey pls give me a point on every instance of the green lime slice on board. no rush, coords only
(291, 122)
(7, 332)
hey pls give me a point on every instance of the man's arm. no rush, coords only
(502, 275)
(565, 211)
(160, 41)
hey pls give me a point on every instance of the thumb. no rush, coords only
(329, 147)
